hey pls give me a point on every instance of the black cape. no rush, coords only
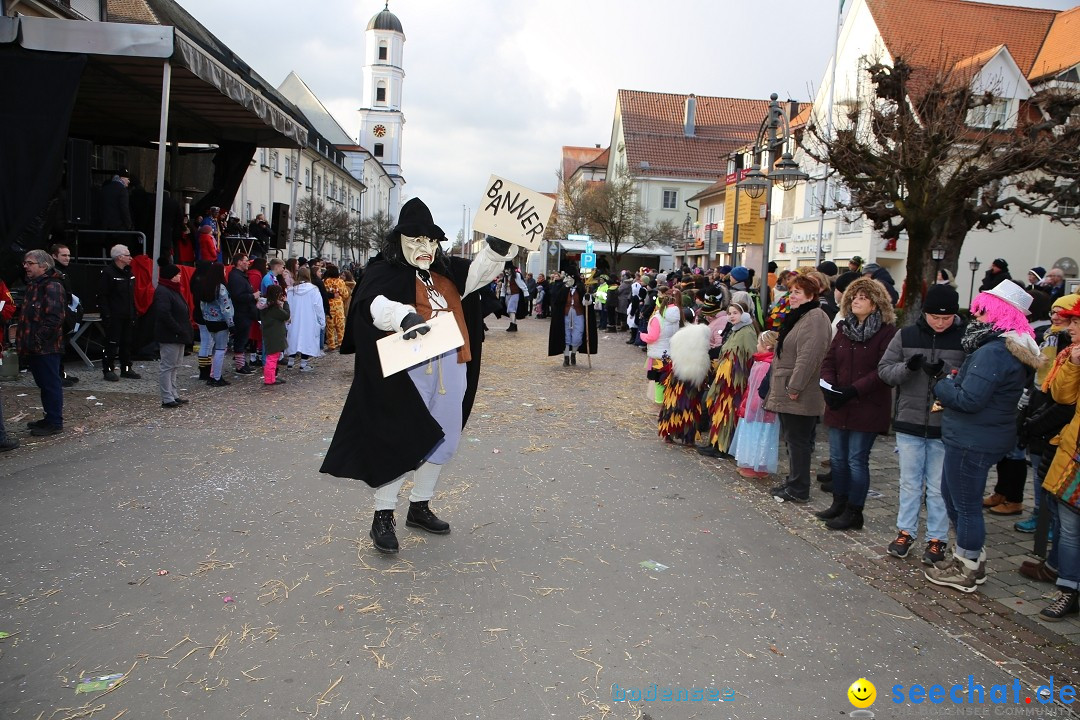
(557, 331)
(385, 429)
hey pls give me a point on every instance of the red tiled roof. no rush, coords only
(600, 161)
(574, 157)
(934, 35)
(652, 125)
(130, 11)
(1062, 47)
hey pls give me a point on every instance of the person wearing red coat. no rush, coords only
(208, 249)
(859, 402)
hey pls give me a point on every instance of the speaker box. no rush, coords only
(279, 223)
(78, 183)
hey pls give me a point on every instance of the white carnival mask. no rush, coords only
(419, 251)
(568, 281)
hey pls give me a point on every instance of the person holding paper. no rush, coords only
(408, 424)
(858, 405)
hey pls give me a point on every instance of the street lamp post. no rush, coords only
(774, 133)
(974, 265)
(938, 254)
(686, 238)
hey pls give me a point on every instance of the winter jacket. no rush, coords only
(241, 294)
(275, 338)
(623, 300)
(662, 326)
(306, 319)
(855, 364)
(172, 321)
(1065, 388)
(992, 279)
(220, 311)
(980, 400)
(41, 321)
(116, 293)
(882, 276)
(914, 395)
(797, 369)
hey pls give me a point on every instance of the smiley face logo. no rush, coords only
(862, 693)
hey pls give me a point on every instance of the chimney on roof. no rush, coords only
(597, 146)
(793, 109)
(688, 118)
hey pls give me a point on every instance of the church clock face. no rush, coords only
(379, 130)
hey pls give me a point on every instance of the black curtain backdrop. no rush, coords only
(39, 92)
(231, 162)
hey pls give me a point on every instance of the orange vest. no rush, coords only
(449, 291)
(573, 299)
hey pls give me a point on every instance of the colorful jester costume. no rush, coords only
(684, 384)
(729, 382)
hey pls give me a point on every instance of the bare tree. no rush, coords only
(610, 212)
(928, 157)
(376, 228)
(315, 224)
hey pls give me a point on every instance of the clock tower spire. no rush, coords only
(381, 119)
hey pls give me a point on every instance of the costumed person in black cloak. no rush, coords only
(410, 422)
(515, 293)
(571, 313)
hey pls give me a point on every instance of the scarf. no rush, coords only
(977, 334)
(765, 357)
(744, 320)
(1061, 359)
(857, 332)
(171, 284)
(790, 320)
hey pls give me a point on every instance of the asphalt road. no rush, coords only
(536, 605)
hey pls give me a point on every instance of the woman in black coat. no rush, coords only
(172, 331)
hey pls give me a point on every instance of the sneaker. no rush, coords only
(130, 375)
(182, 401)
(36, 423)
(8, 444)
(935, 552)
(901, 545)
(1027, 526)
(1067, 603)
(1007, 508)
(1038, 571)
(46, 430)
(420, 516)
(170, 404)
(220, 382)
(992, 500)
(306, 368)
(68, 382)
(785, 495)
(71, 379)
(382, 532)
(244, 370)
(111, 376)
(953, 573)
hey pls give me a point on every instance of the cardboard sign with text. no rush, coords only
(397, 354)
(513, 213)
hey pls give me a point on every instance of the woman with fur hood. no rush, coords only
(859, 404)
(684, 385)
(978, 427)
(730, 379)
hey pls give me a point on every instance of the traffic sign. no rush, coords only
(578, 238)
(553, 249)
(588, 261)
(588, 247)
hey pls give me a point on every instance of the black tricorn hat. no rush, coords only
(415, 220)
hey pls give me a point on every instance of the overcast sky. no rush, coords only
(499, 86)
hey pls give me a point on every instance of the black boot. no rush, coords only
(420, 516)
(566, 360)
(512, 328)
(382, 532)
(573, 358)
(825, 477)
(204, 372)
(836, 509)
(850, 519)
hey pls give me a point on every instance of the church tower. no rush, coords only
(381, 120)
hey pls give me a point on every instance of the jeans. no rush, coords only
(220, 342)
(46, 372)
(798, 432)
(206, 342)
(1056, 511)
(963, 481)
(849, 460)
(1067, 541)
(921, 460)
